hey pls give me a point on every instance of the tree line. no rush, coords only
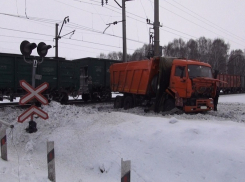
(215, 52)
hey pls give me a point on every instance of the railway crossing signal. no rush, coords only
(29, 112)
(42, 49)
(26, 49)
(33, 93)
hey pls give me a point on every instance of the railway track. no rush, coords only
(81, 102)
(14, 104)
(70, 102)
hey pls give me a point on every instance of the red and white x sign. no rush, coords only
(33, 92)
(29, 112)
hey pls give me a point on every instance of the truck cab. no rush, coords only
(192, 85)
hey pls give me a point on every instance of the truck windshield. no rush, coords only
(199, 71)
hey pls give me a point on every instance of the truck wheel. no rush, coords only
(128, 102)
(118, 102)
(169, 104)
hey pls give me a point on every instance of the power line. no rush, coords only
(195, 23)
(64, 37)
(209, 22)
(81, 8)
(23, 37)
(26, 32)
(100, 32)
(177, 31)
(43, 20)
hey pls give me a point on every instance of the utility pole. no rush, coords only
(56, 39)
(124, 31)
(156, 28)
(123, 26)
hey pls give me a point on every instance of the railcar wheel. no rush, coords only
(105, 95)
(118, 102)
(85, 97)
(128, 102)
(75, 95)
(64, 98)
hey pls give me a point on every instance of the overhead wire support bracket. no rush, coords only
(114, 23)
(118, 4)
(64, 21)
(72, 32)
(57, 36)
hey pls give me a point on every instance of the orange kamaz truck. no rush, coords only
(162, 84)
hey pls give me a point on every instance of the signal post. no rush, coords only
(32, 92)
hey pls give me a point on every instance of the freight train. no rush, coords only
(86, 77)
(231, 84)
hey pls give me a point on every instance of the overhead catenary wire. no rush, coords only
(195, 23)
(204, 20)
(71, 25)
(210, 21)
(93, 4)
(64, 38)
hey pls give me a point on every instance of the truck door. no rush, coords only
(178, 80)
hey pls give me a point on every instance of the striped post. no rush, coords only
(51, 161)
(3, 145)
(125, 170)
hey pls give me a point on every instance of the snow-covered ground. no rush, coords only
(90, 139)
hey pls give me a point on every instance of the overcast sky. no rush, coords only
(34, 20)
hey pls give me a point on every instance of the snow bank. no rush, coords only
(91, 140)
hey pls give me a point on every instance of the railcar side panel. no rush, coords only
(68, 75)
(48, 69)
(7, 71)
(23, 71)
(94, 74)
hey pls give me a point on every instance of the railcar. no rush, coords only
(94, 78)
(231, 84)
(88, 77)
(62, 76)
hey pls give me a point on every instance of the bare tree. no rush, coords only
(204, 46)
(219, 55)
(140, 53)
(192, 49)
(102, 56)
(177, 48)
(236, 62)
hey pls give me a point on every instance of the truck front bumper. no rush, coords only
(201, 105)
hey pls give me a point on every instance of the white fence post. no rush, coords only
(125, 170)
(3, 144)
(51, 161)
